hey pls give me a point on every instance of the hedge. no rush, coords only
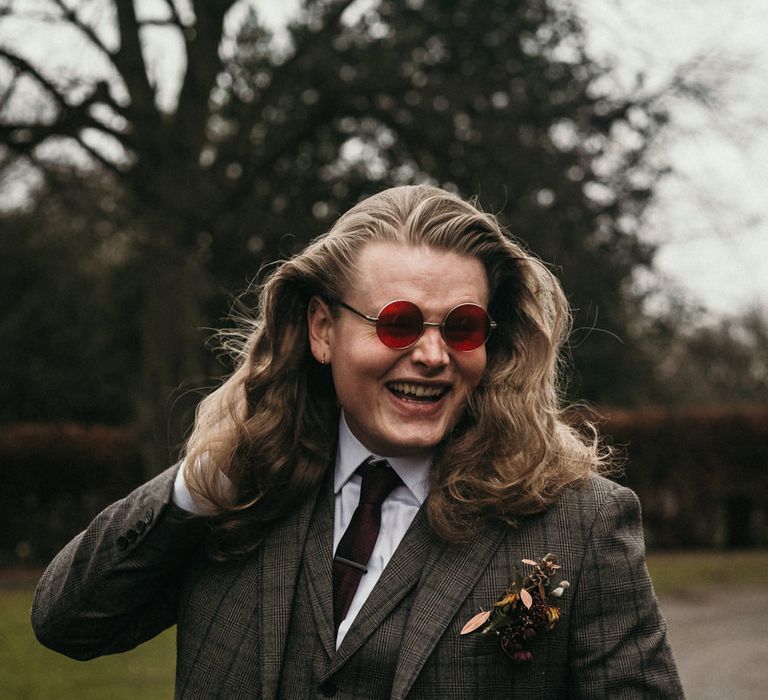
(701, 475)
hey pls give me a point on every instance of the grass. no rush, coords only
(680, 573)
(28, 671)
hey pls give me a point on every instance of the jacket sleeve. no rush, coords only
(115, 585)
(618, 645)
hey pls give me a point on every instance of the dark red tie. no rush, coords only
(356, 545)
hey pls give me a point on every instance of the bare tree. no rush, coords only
(159, 156)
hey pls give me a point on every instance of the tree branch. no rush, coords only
(25, 66)
(175, 19)
(129, 61)
(70, 119)
(106, 163)
(203, 65)
(71, 16)
(6, 97)
(159, 23)
(102, 96)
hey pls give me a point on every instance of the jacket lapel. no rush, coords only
(281, 558)
(448, 579)
(318, 556)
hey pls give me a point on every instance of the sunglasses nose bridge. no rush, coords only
(434, 324)
(431, 348)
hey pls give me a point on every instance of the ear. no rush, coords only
(320, 323)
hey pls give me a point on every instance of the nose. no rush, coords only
(430, 350)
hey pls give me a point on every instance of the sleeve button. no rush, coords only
(122, 542)
(140, 526)
(131, 535)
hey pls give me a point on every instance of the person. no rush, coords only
(386, 498)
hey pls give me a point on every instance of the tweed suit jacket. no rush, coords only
(139, 568)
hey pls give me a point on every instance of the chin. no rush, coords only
(416, 444)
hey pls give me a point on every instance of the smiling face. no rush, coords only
(401, 402)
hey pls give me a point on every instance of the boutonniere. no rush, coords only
(527, 606)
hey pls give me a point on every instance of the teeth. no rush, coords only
(418, 390)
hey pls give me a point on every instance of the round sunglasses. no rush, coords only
(400, 324)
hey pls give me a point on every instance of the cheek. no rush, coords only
(473, 368)
(358, 370)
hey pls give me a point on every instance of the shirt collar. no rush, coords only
(414, 471)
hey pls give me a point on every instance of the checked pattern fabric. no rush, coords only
(356, 545)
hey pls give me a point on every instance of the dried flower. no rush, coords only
(524, 608)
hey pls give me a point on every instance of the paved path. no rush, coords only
(720, 642)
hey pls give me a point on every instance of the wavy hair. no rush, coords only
(271, 427)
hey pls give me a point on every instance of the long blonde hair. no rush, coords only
(271, 427)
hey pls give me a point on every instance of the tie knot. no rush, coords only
(378, 481)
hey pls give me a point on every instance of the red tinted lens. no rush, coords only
(466, 327)
(400, 324)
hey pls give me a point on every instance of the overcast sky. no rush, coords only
(709, 217)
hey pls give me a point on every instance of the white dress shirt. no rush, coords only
(397, 512)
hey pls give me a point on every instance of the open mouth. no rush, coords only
(417, 392)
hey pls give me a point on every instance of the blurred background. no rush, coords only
(156, 156)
